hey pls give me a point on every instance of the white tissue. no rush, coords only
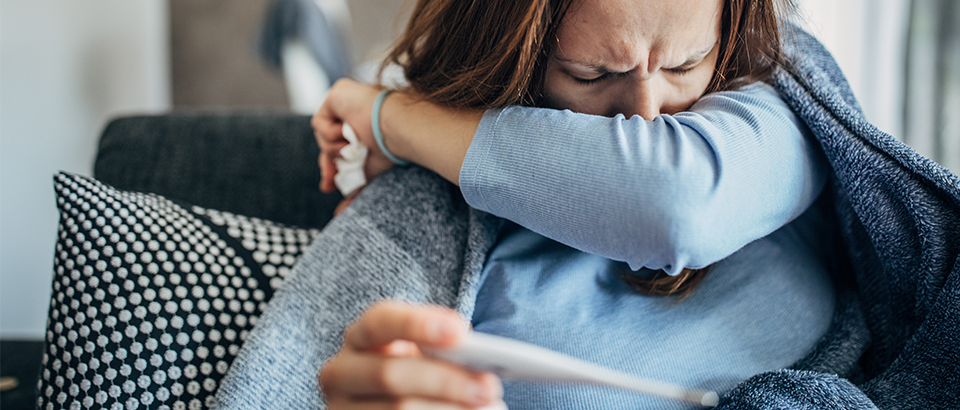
(350, 176)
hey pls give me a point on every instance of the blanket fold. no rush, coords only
(895, 336)
(408, 236)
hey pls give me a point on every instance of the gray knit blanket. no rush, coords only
(895, 338)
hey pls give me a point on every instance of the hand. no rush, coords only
(351, 102)
(380, 365)
(342, 206)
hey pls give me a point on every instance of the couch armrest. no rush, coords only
(259, 164)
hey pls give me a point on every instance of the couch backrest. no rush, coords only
(259, 164)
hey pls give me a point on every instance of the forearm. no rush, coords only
(428, 134)
(682, 191)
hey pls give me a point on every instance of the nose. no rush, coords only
(639, 97)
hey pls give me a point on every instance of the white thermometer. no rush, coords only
(511, 359)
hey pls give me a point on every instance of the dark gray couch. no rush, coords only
(254, 163)
(115, 338)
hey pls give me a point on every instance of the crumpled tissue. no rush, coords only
(350, 176)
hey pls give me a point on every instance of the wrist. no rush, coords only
(377, 125)
(428, 134)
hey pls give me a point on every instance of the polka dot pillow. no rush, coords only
(152, 299)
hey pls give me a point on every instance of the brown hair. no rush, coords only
(494, 53)
(479, 54)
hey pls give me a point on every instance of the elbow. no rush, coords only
(690, 243)
(678, 235)
(693, 243)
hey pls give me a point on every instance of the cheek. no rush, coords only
(686, 90)
(553, 94)
(556, 90)
(681, 99)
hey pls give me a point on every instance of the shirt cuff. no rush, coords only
(472, 171)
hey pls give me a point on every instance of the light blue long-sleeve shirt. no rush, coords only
(683, 190)
(718, 185)
(760, 309)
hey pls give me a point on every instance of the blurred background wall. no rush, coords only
(67, 67)
(868, 40)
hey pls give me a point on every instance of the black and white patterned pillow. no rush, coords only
(152, 299)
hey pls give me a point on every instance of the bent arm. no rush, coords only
(680, 191)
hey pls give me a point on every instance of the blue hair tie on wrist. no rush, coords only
(377, 135)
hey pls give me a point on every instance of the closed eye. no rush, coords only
(604, 76)
(607, 75)
(587, 81)
(679, 70)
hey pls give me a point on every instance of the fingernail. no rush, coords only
(497, 387)
(440, 331)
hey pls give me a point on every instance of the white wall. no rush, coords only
(65, 68)
(868, 40)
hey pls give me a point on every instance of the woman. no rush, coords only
(723, 182)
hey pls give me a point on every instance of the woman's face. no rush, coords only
(633, 57)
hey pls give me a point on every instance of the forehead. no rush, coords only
(636, 33)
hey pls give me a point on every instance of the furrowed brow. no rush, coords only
(698, 56)
(595, 66)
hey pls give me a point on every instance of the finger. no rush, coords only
(328, 130)
(375, 376)
(406, 404)
(333, 147)
(400, 348)
(328, 171)
(322, 127)
(387, 321)
(323, 121)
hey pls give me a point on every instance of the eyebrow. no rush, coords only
(698, 56)
(598, 67)
(603, 69)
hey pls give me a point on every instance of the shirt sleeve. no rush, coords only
(681, 191)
